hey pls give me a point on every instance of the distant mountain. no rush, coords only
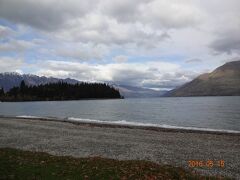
(223, 81)
(138, 92)
(11, 79)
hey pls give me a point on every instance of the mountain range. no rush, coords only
(11, 79)
(223, 81)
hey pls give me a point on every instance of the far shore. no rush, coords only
(46, 100)
(174, 147)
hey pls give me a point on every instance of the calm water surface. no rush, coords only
(201, 112)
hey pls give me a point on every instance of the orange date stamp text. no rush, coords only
(206, 163)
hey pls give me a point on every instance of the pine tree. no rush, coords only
(1, 92)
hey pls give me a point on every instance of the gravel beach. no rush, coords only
(173, 147)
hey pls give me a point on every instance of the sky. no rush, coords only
(158, 44)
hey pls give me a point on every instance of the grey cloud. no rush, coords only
(153, 28)
(15, 46)
(164, 84)
(139, 23)
(46, 15)
(161, 14)
(105, 30)
(106, 21)
(225, 24)
(170, 14)
(232, 59)
(130, 76)
(124, 10)
(52, 14)
(228, 44)
(194, 60)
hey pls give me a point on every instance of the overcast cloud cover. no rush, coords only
(149, 43)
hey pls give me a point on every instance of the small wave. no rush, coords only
(40, 117)
(122, 122)
(28, 117)
(129, 123)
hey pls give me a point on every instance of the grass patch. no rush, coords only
(18, 164)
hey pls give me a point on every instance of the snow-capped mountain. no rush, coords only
(11, 79)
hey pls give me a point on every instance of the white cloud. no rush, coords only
(120, 59)
(5, 32)
(15, 46)
(82, 52)
(8, 64)
(151, 74)
(193, 60)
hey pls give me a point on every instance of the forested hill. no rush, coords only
(60, 91)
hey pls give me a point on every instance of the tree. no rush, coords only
(23, 87)
(1, 92)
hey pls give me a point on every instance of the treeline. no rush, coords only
(60, 91)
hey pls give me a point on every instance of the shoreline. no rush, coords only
(129, 125)
(162, 146)
(82, 99)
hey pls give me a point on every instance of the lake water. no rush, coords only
(222, 113)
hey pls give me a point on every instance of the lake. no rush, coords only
(221, 113)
